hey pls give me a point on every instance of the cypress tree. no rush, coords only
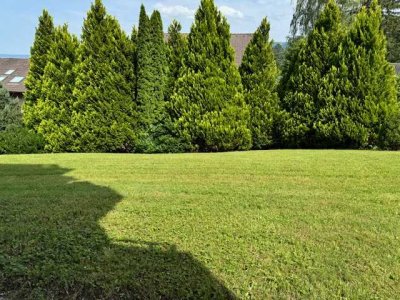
(43, 40)
(311, 87)
(103, 117)
(142, 54)
(134, 44)
(260, 73)
(209, 108)
(54, 106)
(371, 81)
(177, 47)
(10, 110)
(152, 82)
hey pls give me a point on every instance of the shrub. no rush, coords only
(19, 140)
(10, 110)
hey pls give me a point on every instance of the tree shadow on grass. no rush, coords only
(52, 246)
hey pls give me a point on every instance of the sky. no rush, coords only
(20, 17)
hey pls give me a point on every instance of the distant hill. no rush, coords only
(14, 56)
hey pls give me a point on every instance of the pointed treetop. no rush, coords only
(134, 34)
(259, 64)
(330, 17)
(156, 21)
(143, 17)
(209, 39)
(174, 27)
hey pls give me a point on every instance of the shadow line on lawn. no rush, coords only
(52, 246)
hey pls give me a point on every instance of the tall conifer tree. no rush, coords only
(311, 90)
(260, 73)
(134, 44)
(371, 81)
(151, 82)
(210, 111)
(55, 104)
(177, 47)
(104, 113)
(44, 37)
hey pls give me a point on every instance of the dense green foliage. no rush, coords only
(19, 140)
(156, 132)
(260, 73)
(371, 82)
(14, 139)
(108, 92)
(307, 12)
(210, 111)
(103, 116)
(253, 225)
(152, 85)
(55, 104)
(338, 88)
(311, 85)
(38, 59)
(177, 47)
(10, 110)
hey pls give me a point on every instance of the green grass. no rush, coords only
(256, 225)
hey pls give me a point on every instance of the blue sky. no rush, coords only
(19, 17)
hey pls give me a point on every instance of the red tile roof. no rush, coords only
(20, 67)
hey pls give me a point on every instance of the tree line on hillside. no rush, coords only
(110, 92)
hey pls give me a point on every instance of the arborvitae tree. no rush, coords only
(43, 40)
(293, 58)
(210, 111)
(134, 40)
(151, 82)
(307, 12)
(260, 73)
(310, 85)
(10, 110)
(177, 47)
(55, 104)
(103, 117)
(371, 81)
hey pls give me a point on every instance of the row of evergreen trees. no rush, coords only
(109, 92)
(338, 87)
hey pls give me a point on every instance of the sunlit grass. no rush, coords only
(256, 225)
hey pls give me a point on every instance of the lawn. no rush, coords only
(255, 225)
